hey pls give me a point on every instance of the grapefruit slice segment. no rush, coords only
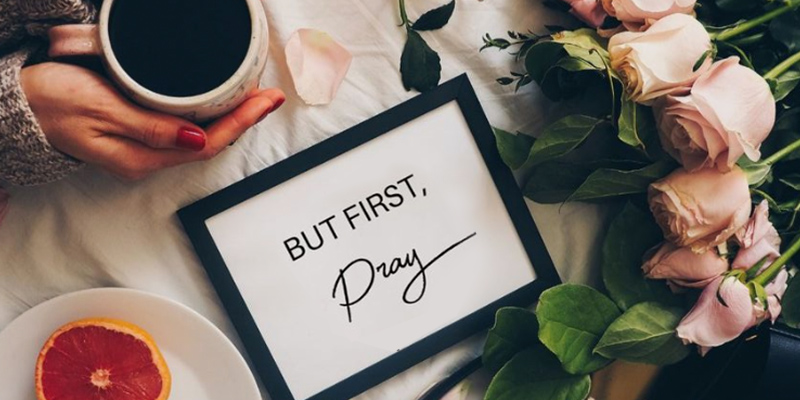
(101, 359)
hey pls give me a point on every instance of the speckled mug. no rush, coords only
(73, 40)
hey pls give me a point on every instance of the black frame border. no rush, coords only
(194, 216)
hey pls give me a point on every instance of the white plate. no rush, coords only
(203, 362)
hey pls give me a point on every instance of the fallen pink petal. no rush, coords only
(318, 65)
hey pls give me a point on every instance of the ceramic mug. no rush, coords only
(82, 40)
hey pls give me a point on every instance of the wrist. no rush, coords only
(28, 159)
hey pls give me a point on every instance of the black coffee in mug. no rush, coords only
(180, 48)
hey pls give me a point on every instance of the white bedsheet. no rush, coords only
(92, 230)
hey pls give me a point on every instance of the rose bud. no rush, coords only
(758, 240)
(728, 113)
(637, 14)
(775, 291)
(701, 209)
(661, 60)
(710, 323)
(683, 267)
(589, 11)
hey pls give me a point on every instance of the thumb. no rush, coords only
(160, 131)
(230, 127)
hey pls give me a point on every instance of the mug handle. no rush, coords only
(74, 40)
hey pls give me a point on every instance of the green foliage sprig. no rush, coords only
(576, 330)
(420, 65)
(609, 151)
(524, 42)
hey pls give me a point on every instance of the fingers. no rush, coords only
(159, 131)
(228, 128)
(127, 156)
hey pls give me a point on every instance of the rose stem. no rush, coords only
(773, 159)
(772, 271)
(783, 66)
(403, 14)
(747, 25)
(748, 40)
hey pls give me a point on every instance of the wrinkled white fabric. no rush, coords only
(92, 230)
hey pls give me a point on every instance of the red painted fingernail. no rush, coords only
(276, 105)
(264, 115)
(191, 139)
(279, 103)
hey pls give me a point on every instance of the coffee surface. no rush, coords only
(180, 47)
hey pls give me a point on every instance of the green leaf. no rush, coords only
(614, 163)
(436, 18)
(514, 149)
(783, 85)
(505, 81)
(788, 121)
(757, 173)
(535, 374)
(630, 235)
(606, 183)
(562, 137)
(565, 66)
(645, 334)
(541, 57)
(790, 304)
(572, 318)
(584, 38)
(572, 64)
(523, 81)
(703, 57)
(584, 44)
(419, 64)
(637, 127)
(554, 182)
(515, 329)
(736, 5)
(561, 84)
(786, 29)
(786, 131)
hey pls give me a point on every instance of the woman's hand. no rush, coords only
(84, 116)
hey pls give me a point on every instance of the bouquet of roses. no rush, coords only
(686, 108)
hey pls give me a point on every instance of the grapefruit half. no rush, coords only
(101, 359)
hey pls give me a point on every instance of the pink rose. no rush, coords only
(701, 209)
(683, 267)
(757, 240)
(728, 113)
(638, 14)
(711, 323)
(661, 60)
(589, 11)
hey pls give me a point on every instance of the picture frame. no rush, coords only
(197, 221)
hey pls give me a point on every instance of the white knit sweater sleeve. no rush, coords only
(26, 158)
